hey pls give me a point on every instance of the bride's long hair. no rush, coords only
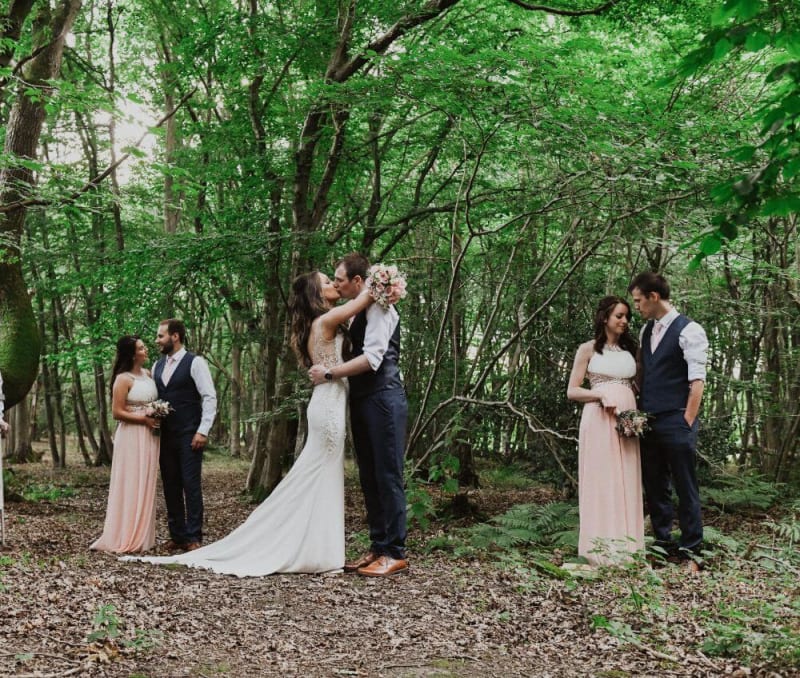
(305, 306)
(604, 310)
(123, 361)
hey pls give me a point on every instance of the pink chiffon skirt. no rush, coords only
(609, 483)
(130, 525)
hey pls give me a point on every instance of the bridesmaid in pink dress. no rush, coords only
(130, 525)
(609, 471)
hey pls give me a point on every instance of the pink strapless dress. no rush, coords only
(609, 470)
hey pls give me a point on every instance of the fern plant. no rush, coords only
(741, 492)
(534, 528)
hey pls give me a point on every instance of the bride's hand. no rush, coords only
(608, 406)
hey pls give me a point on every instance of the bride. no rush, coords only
(300, 526)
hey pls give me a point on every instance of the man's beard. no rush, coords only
(166, 349)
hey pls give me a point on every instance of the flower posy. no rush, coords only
(632, 423)
(158, 409)
(382, 281)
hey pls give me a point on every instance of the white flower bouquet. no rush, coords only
(385, 282)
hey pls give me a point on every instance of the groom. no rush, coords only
(184, 381)
(378, 414)
(672, 354)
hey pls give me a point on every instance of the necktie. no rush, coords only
(658, 331)
(169, 368)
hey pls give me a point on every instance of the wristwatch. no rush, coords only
(328, 375)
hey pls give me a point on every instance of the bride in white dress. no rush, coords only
(300, 526)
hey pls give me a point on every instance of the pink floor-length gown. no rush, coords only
(130, 525)
(609, 471)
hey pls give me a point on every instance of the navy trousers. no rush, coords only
(181, 473)
(379, 429)
(669, 458)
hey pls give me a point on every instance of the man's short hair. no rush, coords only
(649, 282)
(354, 264)
(175, 326)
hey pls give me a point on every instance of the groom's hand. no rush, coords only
(199, 441)
(317, 374)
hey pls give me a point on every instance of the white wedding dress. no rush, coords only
(300, 526)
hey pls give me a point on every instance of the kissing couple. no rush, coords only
(300, 526)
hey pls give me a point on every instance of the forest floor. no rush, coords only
(469, 616)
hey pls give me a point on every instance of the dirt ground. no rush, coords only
(448, 617)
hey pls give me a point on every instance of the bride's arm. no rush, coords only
(340, 314)
(575, 390)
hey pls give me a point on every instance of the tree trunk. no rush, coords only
(19, 339)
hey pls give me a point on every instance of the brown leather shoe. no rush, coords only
(367, 559)
(193, 546)
(173, 546)
(385, 566)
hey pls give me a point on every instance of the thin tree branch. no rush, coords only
(564, 12)
(95, 182)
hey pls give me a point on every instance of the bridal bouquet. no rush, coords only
(158, 409)
(632, 423)
(383, 281)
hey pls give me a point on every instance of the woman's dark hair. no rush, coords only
(123, 361)
(305, 306)
(604, 310)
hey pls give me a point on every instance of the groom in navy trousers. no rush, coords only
(184, 381)
(672, 370)
(378, 415)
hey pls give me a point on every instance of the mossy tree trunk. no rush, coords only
(19, 337)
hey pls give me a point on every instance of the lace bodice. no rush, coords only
(327, 352)
(611, 366)
(142, 392)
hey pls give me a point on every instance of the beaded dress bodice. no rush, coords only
(142, 392)
(612, 366)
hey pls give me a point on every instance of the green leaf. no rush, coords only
(711, 244)
(722, 193)
(722, 48)
(782, 206)
(791, 104)
(135, 152)
(724, 12)
(694, 264)
(791, 168)
(756, 40)
(743, 153)
(747, 9)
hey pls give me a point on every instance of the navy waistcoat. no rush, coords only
(665, 381)
(182, 394)
(388, 374)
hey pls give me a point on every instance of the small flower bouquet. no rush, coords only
(384, 282)
(632, 423)
(158, 409)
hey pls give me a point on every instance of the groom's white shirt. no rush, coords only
(693, 343)
(201, 376)
(381, 324)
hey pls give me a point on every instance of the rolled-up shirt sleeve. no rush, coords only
(694, 344)
(381, 324)
(201, 376)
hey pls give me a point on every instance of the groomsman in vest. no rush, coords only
(378, 415)
(184, 381)
(672, 371)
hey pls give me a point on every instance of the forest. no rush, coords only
(518, 162)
